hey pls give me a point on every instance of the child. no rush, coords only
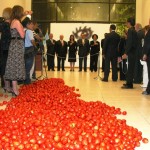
(30, 46)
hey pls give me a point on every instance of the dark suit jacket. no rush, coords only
(61, 50)
(121, 46)
(111, 44)
(83, 49)
(51, 47)
(131, 42)
(94, 48)
(146, 48)
(140, 35)
(102, 45)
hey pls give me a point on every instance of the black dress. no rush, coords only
(72, 51)
(5, 42)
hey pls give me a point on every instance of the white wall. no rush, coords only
(67, 28)
(142, 12)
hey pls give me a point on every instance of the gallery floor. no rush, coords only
(131, 100)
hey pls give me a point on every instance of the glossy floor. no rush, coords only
(131, 100)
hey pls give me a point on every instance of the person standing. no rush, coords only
(111, 53)
(83, 51)
(102, 46)
(30, 47)
(146, 56)
(5, 42)
(61, 51)
(138, 66)
(121, 50)
(94, 52)
(130, 53)
(51, 46)
(15, 66)
(72, 44)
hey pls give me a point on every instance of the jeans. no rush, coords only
(28, 66)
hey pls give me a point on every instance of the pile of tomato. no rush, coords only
(49, 115)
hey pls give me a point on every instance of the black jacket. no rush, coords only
(94, 48)
(131, 42)
(146, 48)
(111, 44)
(121, 46)
(51, 47)
(83, 49)
(61, 51)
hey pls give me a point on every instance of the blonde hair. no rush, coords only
(7, 13)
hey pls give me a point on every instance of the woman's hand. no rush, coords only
(28, 12)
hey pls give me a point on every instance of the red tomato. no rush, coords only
(145, 140)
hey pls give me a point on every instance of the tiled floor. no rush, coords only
(136, 105)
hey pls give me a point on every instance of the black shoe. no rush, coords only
(122, 79)
(124, 84)
(127, 86)
(137, 82)
(58, 69)
(114, 80)
(104, 80)
(53, 69)
(80, 70)
(145, 93)
(85, 71)
(63, 69)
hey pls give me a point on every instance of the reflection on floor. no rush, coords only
(91, 89)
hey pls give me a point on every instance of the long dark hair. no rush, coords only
(17, 12)
(72, 36)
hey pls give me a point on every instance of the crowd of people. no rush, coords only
(18, 46)
(20, 39)
(82, 46)
(127, 52)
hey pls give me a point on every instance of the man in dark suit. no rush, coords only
(130, 53)
(146, 56)
(102, 46)
(61, 51)
(138, 67)
(51, 46)
(110, 51)
(83, 52)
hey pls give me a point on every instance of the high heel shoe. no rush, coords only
(7, 90)
(14, 94)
